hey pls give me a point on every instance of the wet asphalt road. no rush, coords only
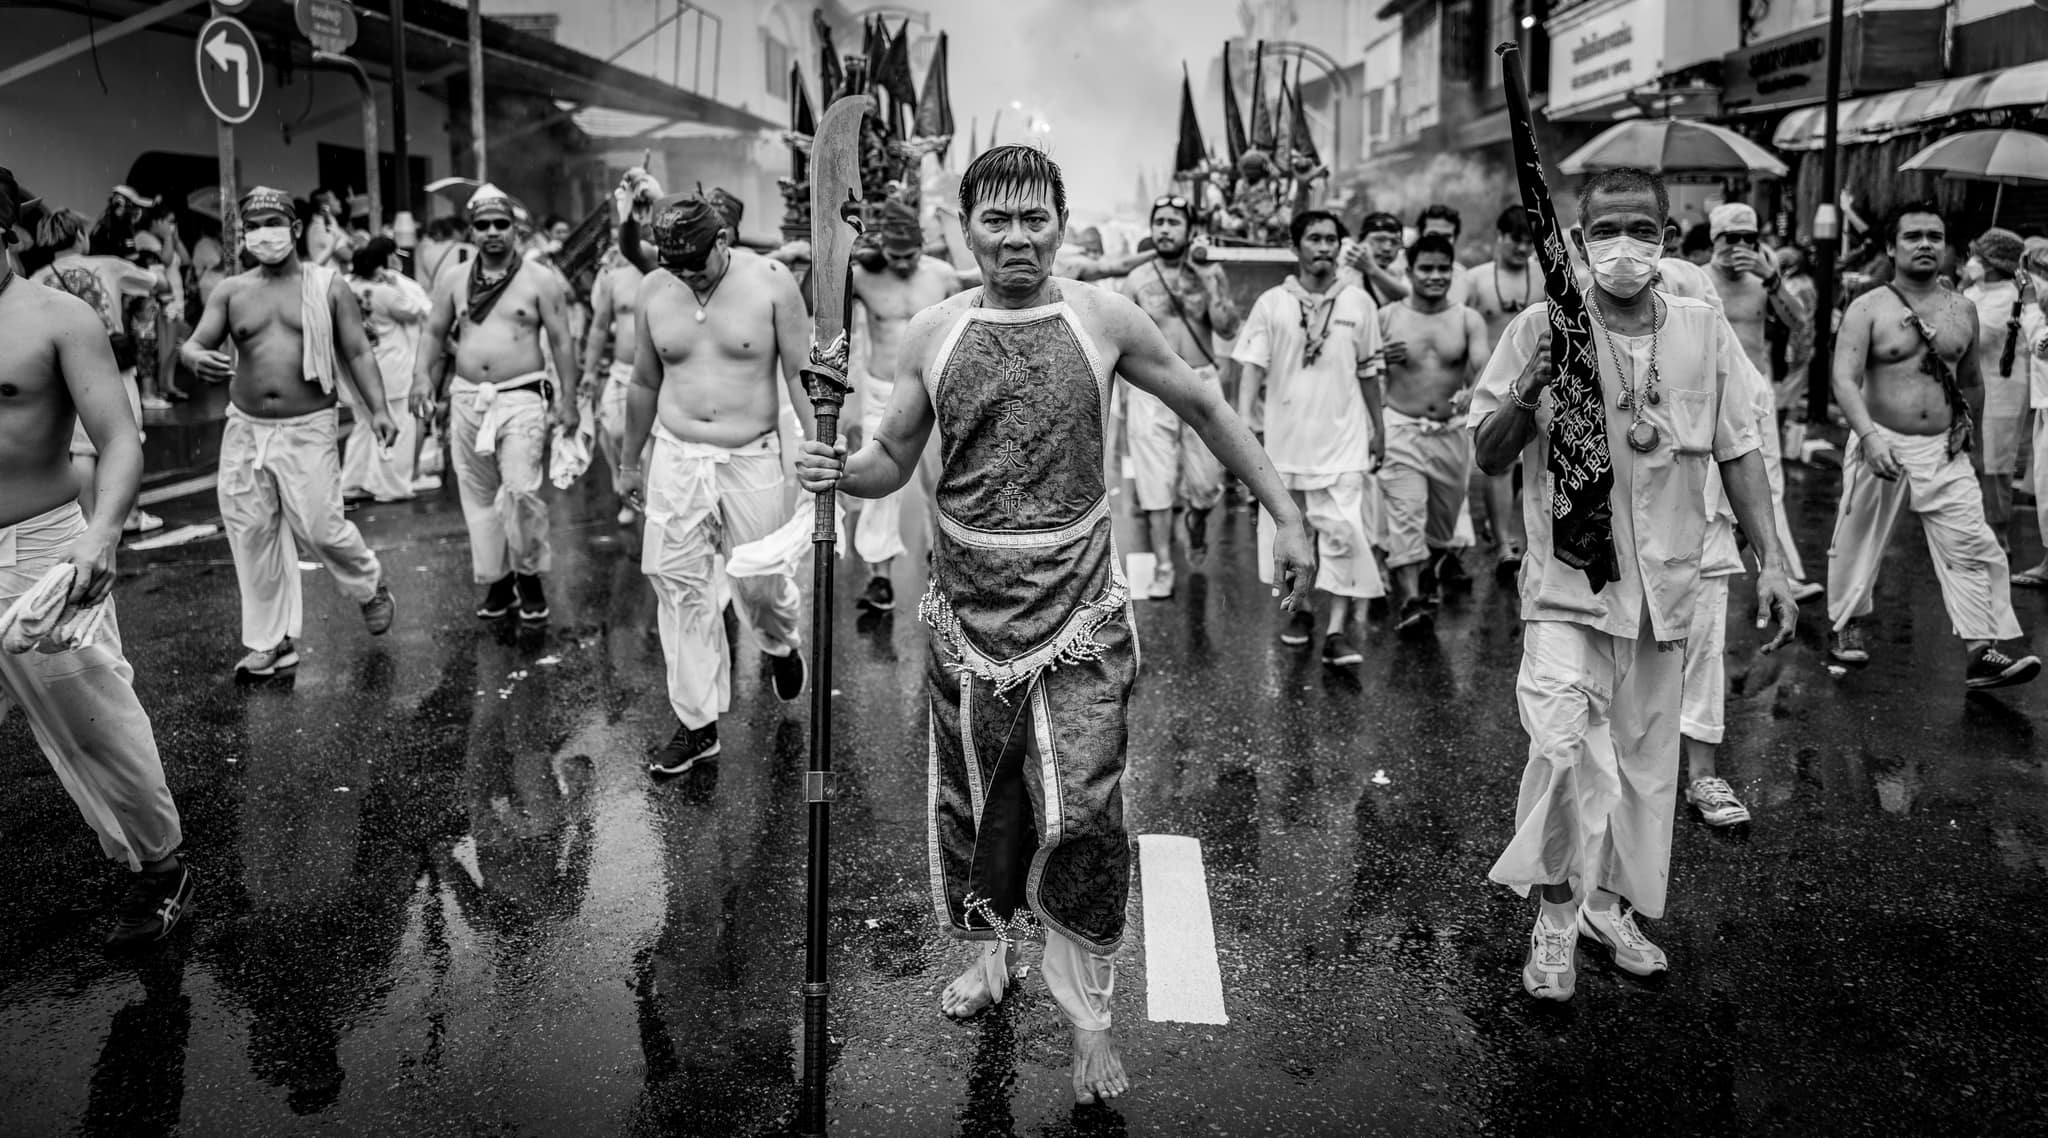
(439, 895)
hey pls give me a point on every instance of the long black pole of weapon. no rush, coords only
(828, 395)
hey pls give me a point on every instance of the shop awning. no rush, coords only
(1873, 118)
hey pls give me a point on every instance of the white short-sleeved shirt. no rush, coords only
(1707, 414)
(1317, 425)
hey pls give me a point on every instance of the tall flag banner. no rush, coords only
(1304, 141)
(831, 76)
(1233, 115)
(1580, 464)
(1283, 124)
(801, 121)
(895, 76)
(1190, 155)
(935, 102)
(1262, 118)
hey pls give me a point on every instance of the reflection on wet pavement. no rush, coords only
(438, 893)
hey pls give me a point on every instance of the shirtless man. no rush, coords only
(1746, 278)
(1501, 289)
(295, 326)
(56, 366)
(713, 328)
(1435, 350)
(500, 403)
(1906, 378)
(1175, 473)
(614, 305)
(908, 284)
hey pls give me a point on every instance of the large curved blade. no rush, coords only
(835, 181)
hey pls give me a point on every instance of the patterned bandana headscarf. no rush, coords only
(685, 229)
(490, 201)
(901, 232)
(264, 199)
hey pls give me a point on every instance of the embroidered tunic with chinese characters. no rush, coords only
(1033, 649)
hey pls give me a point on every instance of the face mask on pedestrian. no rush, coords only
(270, 244)
(1623, 265)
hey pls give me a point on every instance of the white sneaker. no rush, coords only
(1162, 581)
(1615, 930)
(1716, 802)
(1551, 971)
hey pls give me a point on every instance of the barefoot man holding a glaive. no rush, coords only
(1033, 651)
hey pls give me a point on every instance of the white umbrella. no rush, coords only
(2008, 157)
(1673, 146)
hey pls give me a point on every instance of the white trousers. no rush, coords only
(1703, 710)
(280, 489)
(878, 535)
(1976, 581)
(386, 474)
(1601, 783)
(1080, 979)
(701, 502)
(1340, 520)
(499, 444)
(1170, 464)
(82, 708)
(611, 415)
(2037, 470)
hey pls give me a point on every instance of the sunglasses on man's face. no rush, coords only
(496, 226)
(1749, 239)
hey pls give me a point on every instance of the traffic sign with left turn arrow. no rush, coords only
(230, 69)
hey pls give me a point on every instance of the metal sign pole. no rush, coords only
(1827, 237)
(401, 89)
(477, 128)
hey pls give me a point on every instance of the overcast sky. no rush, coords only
(1104, 73)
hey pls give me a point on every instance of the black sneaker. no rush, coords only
(498, 599)
(1300, 628)
(1338, 652)
(1418, 617)
(1849, 647)
(1197, 522)
(378, 610)
(533, 603)
(1450, 571)
(689, 746)
(156, 902)
(880, 595)
(1990, 668)
(789, 674)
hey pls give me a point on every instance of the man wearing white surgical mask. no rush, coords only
(1601, 676)
(279, 463)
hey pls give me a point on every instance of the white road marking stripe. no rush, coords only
(157, 494)
(1183, 983)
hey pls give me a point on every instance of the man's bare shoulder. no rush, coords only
(1866, 307)
(51, 309)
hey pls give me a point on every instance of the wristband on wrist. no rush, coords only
(1515, 394)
